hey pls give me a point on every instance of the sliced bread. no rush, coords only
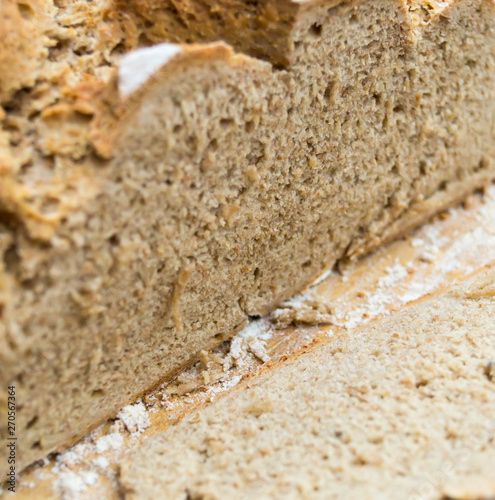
(402, 408)
(152, 200)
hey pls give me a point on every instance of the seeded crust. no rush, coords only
(402, 408)
(138, 230)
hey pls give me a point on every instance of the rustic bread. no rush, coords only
(402, 408)
(152, 201)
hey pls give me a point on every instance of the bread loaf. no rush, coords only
(154, 196)
(402, 408)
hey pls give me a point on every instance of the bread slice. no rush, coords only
(402, 408)
(151, 202)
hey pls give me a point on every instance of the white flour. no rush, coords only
(134, 417)
(112, 441)
(71, 480)
(72, 483)
(376, 301)
(252, 339)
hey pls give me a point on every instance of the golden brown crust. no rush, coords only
(23, 43)
(261, 29)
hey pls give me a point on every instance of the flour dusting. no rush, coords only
(252, 339)
(134, 417)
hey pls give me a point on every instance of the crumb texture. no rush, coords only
(147, 211)
(404, 407)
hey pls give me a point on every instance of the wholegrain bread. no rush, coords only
(402, 408)
(153, 199)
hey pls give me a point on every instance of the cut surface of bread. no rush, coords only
(152, 201)
(402, 408)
